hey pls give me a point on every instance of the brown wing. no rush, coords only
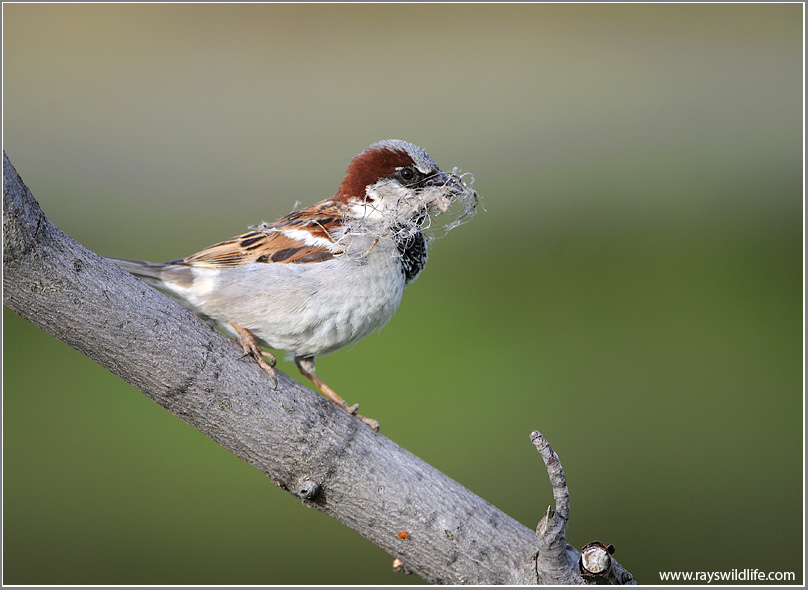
(280, 242)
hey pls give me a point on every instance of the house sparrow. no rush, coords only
(326, 276)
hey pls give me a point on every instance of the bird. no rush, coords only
(323, 277)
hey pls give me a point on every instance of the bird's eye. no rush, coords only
(407, 173)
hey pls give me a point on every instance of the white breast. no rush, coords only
(308, 309)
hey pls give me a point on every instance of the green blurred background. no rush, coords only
(633, 290)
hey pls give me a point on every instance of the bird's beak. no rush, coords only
(449, 186)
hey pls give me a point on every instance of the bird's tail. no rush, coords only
(139, 268)
(162, 275)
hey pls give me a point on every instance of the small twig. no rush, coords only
(555, 472)
(556, 562)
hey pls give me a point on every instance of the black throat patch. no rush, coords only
(413, 255)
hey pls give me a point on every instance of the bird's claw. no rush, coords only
(251, 348)
(374, 424)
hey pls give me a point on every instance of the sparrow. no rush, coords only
(323, 277)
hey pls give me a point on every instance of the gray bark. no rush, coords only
(302, 442)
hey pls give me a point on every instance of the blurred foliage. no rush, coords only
(633, 290)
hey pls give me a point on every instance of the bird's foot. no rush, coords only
(374, 424)
(251, 348)
(307, 368)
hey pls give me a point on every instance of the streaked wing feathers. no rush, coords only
(259, 246)
(298, 238)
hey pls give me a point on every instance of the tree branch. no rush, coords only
(302, 442)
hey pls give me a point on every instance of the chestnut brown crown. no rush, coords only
(380, 160)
